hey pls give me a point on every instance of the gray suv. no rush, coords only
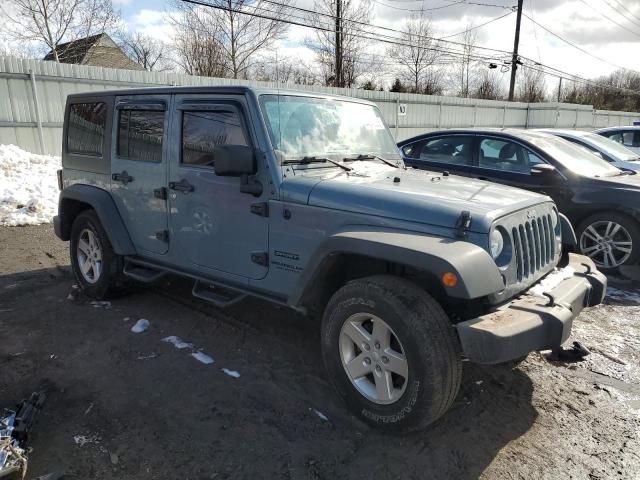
(303, 200)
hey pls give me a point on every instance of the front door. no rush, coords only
(213, 226)
(139, 169)
(504, 161)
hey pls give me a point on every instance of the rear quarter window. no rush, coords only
(86, 128)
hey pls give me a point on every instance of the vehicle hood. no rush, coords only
(414, 196)
(629, 165)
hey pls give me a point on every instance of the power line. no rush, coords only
(621, 14)
(610, 19)
(548, 69)
(586, 52)
(418, 9)
(475, 27)
(630, 12)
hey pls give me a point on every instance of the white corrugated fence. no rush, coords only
(33, 93)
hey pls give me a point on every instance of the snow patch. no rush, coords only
(177, 342)
(140, 326)
(321, 415)
(231, 373)
(82, 440)
(203, 358)
(551, 281)
(28, 187)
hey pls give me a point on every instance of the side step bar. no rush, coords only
(142, 274)
(219, 296)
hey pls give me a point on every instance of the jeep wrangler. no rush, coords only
(302, 199)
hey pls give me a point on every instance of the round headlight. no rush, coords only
(496, 243)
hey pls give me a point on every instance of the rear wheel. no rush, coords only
(610, 240)
(97, 268)
(391, 352)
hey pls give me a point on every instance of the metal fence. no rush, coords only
(33, 93)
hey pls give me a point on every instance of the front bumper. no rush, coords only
(534, 322)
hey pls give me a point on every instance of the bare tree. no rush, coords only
(285, 70)
(197, 46)
(231, 26)
(531, 86)
(488, 86)
(145, 51)
(52, 22)
(338, 44)
(465, 68)
(417, 55)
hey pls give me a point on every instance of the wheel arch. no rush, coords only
(78, 198)
(358, 253)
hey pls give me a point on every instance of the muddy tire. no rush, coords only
(610, 239)
(391, 353)
(97, 268)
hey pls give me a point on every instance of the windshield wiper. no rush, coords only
(370, 156)
(313, 159)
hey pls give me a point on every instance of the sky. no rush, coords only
(607, 29)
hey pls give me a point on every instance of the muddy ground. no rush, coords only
(129, 406)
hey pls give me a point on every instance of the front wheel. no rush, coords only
(391, 352)
(610, 239)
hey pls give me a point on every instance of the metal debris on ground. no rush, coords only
(14, 433)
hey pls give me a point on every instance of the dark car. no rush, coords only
(602, 201)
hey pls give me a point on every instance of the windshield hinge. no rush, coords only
(463, 223)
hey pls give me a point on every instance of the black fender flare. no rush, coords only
(477, 273)
(101, 201)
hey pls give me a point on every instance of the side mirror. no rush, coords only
(543, 169)
(234, 160)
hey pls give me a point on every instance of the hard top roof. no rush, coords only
(216, 89)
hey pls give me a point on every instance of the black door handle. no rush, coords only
(182, 186)
(123, 177)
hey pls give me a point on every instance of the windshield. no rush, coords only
(575, 158)
(319, 127)
(614, 149)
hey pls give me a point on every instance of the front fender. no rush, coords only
(101, 201)
(477, 273)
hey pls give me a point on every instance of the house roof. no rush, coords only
(75, 51)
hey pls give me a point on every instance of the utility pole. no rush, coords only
(560, 89)
(338, 81)
(514, 58)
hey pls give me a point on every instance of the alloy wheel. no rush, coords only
(607, 243)
(89, 256)
(373, 358)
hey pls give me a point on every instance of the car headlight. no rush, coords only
(496, 243)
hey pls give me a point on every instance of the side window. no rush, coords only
(140, 134)
(85, 130)
(616, 137)
(627, 139)
(202, 130)
(506, 156)
(455, 150)
(412, 150)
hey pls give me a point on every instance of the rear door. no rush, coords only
(453, 153)
(139, 169)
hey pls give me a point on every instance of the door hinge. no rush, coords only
(261, 258)
(261, 209)
(162, 235)
(160, 193)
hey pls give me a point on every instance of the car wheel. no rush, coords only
(610, 240)
(391, 352)
(97, 268)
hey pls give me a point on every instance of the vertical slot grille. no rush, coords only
(533, 245)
